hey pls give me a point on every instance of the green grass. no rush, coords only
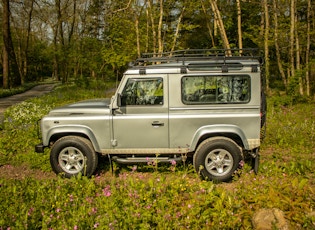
(163, 197)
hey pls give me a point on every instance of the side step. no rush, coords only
(137, 160)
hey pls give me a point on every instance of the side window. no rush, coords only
(147, 91)
(215, 89)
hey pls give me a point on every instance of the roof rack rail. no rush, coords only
(198, 54)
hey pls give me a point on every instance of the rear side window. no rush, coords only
(215, 89)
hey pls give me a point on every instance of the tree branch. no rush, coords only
(122, 9)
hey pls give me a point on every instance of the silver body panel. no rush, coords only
(171, 127)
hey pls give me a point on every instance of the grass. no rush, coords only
(163, 197)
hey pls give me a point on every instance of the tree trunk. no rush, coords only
(298, 58)
(292, 28)
(262, 21)
(137, 36)
(73, 21)
(11, 73)
(278, 55)
(147, 30)
(160, 39)
(266, 43)
(5, 61)
(177, 30)
(62, 58)
(218, 18)
(208, 23)
(137, 12)
(29, 29)
(56, 75)
(5, 68)
(239, 25)
(152, 25)
(308, 45)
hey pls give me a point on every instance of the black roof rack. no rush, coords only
(198, 55)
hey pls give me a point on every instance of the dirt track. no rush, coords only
(18, 98)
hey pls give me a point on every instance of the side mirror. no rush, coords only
(119, 100)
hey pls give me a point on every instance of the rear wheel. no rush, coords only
(217, 159)
(72, 155)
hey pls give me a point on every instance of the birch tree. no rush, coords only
(266, 42)
(177, 29)
(219, 21)
(150, 14)
(160, 25)
(239, 25)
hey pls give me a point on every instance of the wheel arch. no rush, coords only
(217, 159)
(232, 132)
(58, 132)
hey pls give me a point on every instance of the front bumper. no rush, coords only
(39, 148)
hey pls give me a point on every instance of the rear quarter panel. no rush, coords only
(188, 122)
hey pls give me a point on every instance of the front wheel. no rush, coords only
(72, 155)
(217, 159)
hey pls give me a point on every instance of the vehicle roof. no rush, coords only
(203, 60)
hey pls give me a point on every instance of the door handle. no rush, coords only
(157, 123)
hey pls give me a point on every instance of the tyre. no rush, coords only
(72, 155)
(217, 159)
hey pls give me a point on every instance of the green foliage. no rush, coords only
(293, 86)
(142, 201)
(98, 39)
(292, 195)
(121, 42)
(85, 83)
(127, 202)
(296, 127)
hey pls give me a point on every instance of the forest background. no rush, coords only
(82, 40)
(96, 39)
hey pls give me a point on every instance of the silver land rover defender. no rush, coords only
(204, 104)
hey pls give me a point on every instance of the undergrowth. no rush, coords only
(160, 197)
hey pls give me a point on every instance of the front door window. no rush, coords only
(143, 92)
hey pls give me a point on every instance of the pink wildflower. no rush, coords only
(178, 215)
(106, 191)
(30, 211)
(93, 211)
